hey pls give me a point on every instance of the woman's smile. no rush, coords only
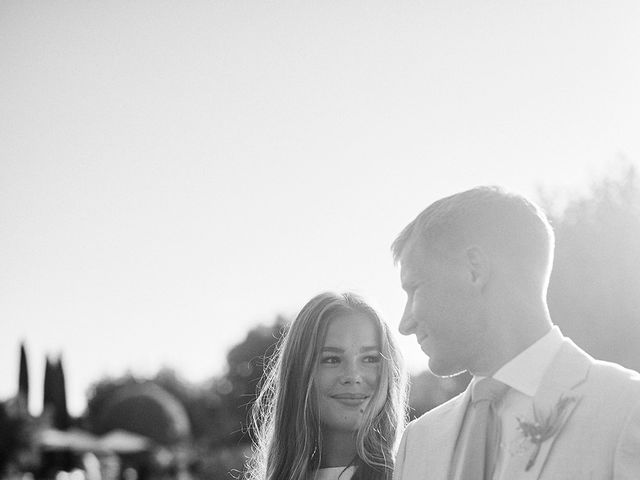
(351, 399)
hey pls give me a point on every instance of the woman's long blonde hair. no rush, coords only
(286, 427)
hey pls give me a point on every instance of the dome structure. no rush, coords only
(146, 409)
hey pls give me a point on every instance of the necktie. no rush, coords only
(479, 448)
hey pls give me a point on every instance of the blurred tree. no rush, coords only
(17, 438)
(225, 447)
(201, 402)
(55, 394)
(245, 367)
(56, 415)
(47, 391)
(593, 293)
(147, 409)
(62, 418)
(97, 396)
(23, 379)
(201, 405)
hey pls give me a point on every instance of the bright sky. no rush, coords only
(173, 173)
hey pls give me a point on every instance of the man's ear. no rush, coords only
(479, 265)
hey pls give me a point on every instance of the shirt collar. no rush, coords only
(524, 372)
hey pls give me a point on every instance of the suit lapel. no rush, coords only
(444, 435)
(568, 370)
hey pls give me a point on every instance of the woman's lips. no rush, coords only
(351, 399)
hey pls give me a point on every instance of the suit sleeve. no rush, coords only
(627, 456)
(400, 456)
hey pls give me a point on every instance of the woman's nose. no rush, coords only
(351, 373)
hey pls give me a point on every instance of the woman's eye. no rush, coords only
(372, 358)
(330, 360)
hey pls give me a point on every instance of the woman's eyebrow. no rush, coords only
(369, 349)
(332, 349)
(340, 350)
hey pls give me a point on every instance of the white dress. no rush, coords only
(335, 473)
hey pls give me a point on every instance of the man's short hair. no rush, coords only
(504, 222)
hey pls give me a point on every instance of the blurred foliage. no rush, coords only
(23, 376)
(198, 412)
(224, 462)
(55, 394)
(98, 396)
(202, 404)
(17, 437)
(594, 289)
(217, 410)
(245, 367)
(147, 409)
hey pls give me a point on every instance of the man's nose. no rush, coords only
(407, 323)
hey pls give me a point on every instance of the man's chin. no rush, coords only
(441, 369)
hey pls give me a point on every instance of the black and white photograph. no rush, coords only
(319, 240)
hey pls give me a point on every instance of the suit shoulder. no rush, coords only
(613, 374)
(436, 412)
(603, 375)
(616, 387)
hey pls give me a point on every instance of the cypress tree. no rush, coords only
(61, 415)
(23, 378)
(47, 391)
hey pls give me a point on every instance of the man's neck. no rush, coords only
(510, 336)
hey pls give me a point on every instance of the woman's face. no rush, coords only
(348, 371)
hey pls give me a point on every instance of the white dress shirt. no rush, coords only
(523, 374)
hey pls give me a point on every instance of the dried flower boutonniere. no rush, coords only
(545, 427)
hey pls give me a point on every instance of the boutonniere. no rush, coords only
(543, 427)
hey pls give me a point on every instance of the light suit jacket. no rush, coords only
(599, 440)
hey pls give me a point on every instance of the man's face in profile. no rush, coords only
(442, 307)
